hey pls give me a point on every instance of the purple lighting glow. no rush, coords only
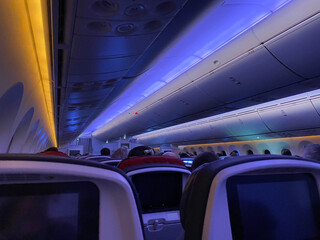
(210, 32)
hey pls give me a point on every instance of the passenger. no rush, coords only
(202, 158)
(53, 151)
(120, 153)
(286, 152)
(184, 155)
(170, 154)
(105, 152)
(312, 151)
(234, 153)
(141, 151)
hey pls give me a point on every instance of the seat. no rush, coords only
(159, 182)
(253, 197)
(52, 197)
(127, 163)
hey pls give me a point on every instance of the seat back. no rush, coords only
(159, 185)
(50, 197)
(253, 197)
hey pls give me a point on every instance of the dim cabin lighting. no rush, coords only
(200, 41)
(37, 13)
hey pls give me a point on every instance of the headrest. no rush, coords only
(196, 192)
(54, 153)
(135, 161)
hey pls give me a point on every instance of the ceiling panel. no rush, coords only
(89, 46)
(105, 40)
(89, 66)
(95, 77)
(128, 10)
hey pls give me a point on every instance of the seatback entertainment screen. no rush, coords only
(49, 211)
(158, 191)
(274, 207)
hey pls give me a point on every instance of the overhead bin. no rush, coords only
(247, 76)
(298, 48)
(315, 100)
(206, 131)
(245, 124)
(177, 135)
(187, 101)
(293, 115)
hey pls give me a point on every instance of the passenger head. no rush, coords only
(51, 149)
(286, 151)
(184, 155)
(234, 153)
(202, 158)
(120, 153)
(171, 154)
(54, 151)
(105, 152)
(312, 151)
(141, 151)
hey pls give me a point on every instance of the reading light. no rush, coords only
(216, 28)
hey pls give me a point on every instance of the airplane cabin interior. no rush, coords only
(159, 84)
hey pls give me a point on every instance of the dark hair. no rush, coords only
(140, 151)
(312, 151)
(120, 153)
(52, 149)
(105, 152)
(286, 151)
(202, 158)
(184, 155)
(234, 153)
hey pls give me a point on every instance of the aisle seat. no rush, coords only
(52, 197)
(159, 182)
(253, 197)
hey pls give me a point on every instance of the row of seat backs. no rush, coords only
(204, 210)
(253, 197)
(159, 181)
(114, 188)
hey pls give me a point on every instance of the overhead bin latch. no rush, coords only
(155, 225)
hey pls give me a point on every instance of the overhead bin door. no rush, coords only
(248, 76)
(299, 114)
(299, 49)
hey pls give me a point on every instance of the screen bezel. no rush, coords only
(234, 201)
(88, 201)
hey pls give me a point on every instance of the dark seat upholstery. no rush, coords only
(196, 209)
(136, 161)
(159, 182)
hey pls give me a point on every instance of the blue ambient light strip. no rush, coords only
(213, 31)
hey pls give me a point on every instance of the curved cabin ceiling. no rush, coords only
(101, 46)
(124, 68)
(256, 67)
